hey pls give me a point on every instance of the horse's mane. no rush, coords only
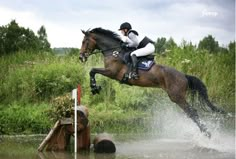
(107, 33)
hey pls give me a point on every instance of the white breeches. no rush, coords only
(147, 50)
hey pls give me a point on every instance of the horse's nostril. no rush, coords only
(82, 57)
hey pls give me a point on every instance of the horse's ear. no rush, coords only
(84, 32)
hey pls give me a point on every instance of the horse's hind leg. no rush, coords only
(190, 111)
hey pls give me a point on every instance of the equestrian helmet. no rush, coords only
(125, 25)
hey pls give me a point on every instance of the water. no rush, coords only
(171, 136)
(128, 147)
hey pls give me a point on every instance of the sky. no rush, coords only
(191, 20)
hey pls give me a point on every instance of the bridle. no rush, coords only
(84, 55)
(89, 51)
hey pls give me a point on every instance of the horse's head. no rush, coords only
(104, 40)
(88, 45)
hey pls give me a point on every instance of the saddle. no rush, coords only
(144, 63)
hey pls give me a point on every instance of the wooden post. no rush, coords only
(45, 141)
(76, 95)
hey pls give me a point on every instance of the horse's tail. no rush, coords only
(197, 86)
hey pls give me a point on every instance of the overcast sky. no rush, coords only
(181, 19)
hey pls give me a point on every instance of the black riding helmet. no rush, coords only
(125, 25)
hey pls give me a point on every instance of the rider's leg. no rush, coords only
(134, 73)
(147, 50)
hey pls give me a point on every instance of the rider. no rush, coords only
(144, 46)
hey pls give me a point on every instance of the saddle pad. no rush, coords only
(145, 64)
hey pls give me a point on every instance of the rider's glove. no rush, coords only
(124, 45)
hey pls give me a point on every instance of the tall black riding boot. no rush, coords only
(134, 73)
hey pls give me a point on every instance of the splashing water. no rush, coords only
(172, 123)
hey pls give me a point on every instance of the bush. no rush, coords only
(31, 81)
(25, 119)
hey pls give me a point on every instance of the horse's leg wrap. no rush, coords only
(94, 88)
(92, 82)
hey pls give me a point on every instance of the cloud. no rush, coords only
(180, 19)
(59, 34)
(24, 18)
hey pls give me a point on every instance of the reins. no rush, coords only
(105, 50)
(110, 49)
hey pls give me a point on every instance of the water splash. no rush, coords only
(172, 123)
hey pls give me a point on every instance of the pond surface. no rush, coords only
(171, 136)
(128, 147)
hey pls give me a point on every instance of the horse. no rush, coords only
(175, 83)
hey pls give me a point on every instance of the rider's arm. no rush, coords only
(132, 40)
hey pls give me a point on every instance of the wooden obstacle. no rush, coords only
(103, 144)
(58, 139)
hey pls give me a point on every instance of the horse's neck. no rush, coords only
(107, 44)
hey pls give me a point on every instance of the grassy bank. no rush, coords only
(30, 81)
(217, 71)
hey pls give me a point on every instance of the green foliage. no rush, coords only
(15, 38)
(163, 45)
(114, 119)
(74, 52)
(216, 71)
(42, 36)
(160, 45)
(209, 43)
(25, 119)
(232, 47)
(42, 79)
(170, 44)
(61, 107)
(34, 89)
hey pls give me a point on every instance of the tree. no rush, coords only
(42, 35)
(14, 38)
(209, 43)
(160, 45)
(2, 39)
(231, 47)
(170, 43)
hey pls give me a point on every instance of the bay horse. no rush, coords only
(169, 79)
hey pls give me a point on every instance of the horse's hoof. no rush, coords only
(96, 89)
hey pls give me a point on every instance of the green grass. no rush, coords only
(30, 81)
(24, 119)
(217, 71)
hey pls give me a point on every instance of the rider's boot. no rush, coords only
(134, 73)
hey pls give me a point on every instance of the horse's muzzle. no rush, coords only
(83, 57)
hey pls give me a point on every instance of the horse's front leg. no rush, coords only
(105, 72)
